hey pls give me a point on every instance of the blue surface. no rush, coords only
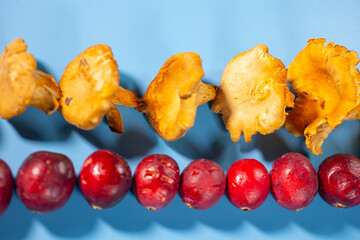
(143, 34)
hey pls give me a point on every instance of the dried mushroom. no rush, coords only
(21, 84)
(327, 86)
(253, 94)
(171, 100)
(90, 89)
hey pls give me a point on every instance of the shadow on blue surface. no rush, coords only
(16, 222)
(357, 148)
(75, 219)
(123, 144)
(78, 219)
(274, 145)
(129, 83)
(318, 218)
(36, 125)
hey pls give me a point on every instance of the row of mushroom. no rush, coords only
(253, 96)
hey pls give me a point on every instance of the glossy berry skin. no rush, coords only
(104, 179)
(339, 180)
(45, 181)
(156, 181)
(294, 181)
(202, 184)
(248, 184)
(6, 186)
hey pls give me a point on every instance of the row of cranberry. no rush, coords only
(46, 180)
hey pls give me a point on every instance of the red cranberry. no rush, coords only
(104, 179)
(6, 186)
(339, 180)
(202, 184)
(248, 184)
(156, 181)
(294, 182)
(45, 181)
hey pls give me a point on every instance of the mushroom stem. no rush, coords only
(114, 119)
(47, 93)
(126, 98)
(205, 93)
(315, 136)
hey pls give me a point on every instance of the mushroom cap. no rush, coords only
(17, 84)
(88, 84)
(253, 94)
(171, 100)
(327, 85)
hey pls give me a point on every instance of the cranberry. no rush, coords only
(156, 181)
(45, 181)
(6, 186)
(248, 184)
(104, 179)
(294, 182)
(202, 184)
(339, 180)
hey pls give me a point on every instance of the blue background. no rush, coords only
(143, 34)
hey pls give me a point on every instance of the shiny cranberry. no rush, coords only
(45, 181)
(104, 179)
(6, 186)
(248, 184)
(339, 180)
(294, 181)
(202, 184)
(156, 181)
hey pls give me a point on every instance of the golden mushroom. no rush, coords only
(21, 84)
(327, 85)
(171, 100)
(90, 89)
(253, 95)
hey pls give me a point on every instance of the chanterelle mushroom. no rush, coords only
(171, 100)
(90, 89)
(327, 85)
(21, 84)
(253, 94)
